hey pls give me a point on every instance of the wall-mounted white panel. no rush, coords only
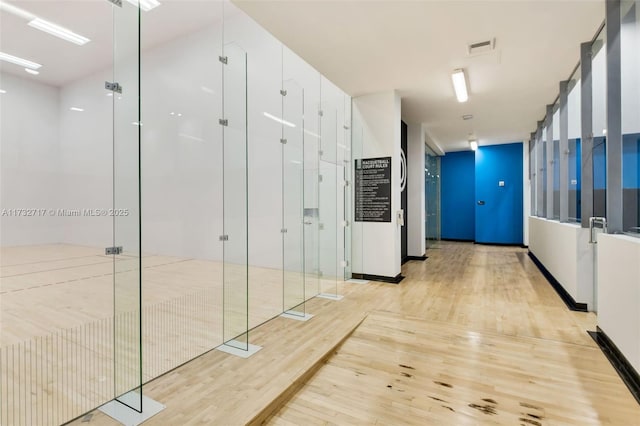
(29, 165)
(619, 293)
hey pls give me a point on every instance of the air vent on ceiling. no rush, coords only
(480, 47)
(467, 117)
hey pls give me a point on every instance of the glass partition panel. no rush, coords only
(432, 197)
(126, 212)
(311, 185)
(575, 147)
(182, 177)
(357, 140)
(347, 170)
(328, 191)
(630, 80)
(543, 169)
(235, 273)
(556, 161)
(532, 176)
(293, 197)
(599, 108)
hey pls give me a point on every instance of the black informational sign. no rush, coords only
(373, 189)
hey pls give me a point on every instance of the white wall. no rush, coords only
(415, 198)
(376, 246)
(29, 130)
(573, 111)
(619, 293)
(564, 250)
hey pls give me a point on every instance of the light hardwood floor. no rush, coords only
(488, 339)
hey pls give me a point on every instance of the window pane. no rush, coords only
(630, 80)
(575, 147)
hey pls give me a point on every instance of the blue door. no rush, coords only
(499, 211)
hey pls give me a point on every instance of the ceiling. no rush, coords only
(362, 46)
(64, 62)
(413, 46)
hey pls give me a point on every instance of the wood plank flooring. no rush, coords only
(396, 369)
(493, 293)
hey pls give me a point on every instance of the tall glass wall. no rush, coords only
(164, 190)
(630, 80)
(70, 225)
(542, 212)
(599, 111)
(555, 162)
(432, 197)
(575, 147)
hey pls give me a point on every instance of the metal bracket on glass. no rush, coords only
(345, 223)
(596, 222)
(308, 222)
(116, 2)
(321, 226)
(113, 250)
(320, 113)
(345, 127)
(283, 141)
(223, 238)
(283, 92)
(223, 122)
(113, 87)
(320, 178)
(283, 230)
(223, 59)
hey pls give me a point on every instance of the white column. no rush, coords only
(416, 194)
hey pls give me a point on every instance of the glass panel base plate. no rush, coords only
(295, 315)
(330, 296)
(356, 281)
(235, 349)
(128, 416)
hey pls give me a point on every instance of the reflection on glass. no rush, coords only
(236, 322)
(599, 108)
(545, 175)
(556, 161)
(432, 197)
(293, 194)
(575, 147)
(328, 226)
(630, 81)
(126, 198)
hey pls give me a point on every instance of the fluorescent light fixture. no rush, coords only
(460, 85)
(279, 120)
(19, 61)
(76, 109)
(15, 11)
(145, 5)
(473, 144)
(58, 31)
(3, 91)
(30, 71)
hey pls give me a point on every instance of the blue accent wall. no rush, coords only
(500, 219)
(458, 196)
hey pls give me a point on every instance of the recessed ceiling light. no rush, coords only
(3, 91)
(460, 85)
(30, 71)
(145, 5)
(58, 31)
(473, 144)
(19, 61)
(76, 109)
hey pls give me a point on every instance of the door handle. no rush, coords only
(481, 202)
